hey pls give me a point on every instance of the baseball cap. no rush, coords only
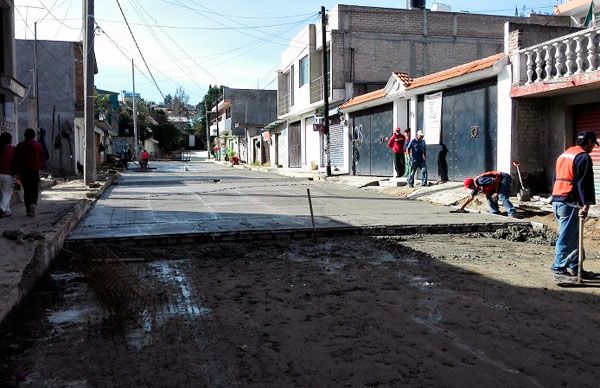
(419, 133)
(397, 129)
(469, 182)
(587, 135)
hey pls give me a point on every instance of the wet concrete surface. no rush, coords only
(203, 197)
(414, 311)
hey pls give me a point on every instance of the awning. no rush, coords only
(12, 86)
(274, 124)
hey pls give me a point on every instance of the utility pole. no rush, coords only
(135, 118)
(207, 127)
(89, 162)
(325, 88)
(218, 140)
(35, 75)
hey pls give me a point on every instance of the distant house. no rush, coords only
(238, 122)
(11, 90)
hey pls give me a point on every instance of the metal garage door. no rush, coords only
(371, 129)
(294, 147)
(469, 131)
(336, 138)
(587, 118)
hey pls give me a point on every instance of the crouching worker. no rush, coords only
(496, 186)
(144, 158)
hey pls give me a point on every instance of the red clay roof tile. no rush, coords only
(456, 71)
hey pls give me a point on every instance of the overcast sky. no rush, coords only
(194, 43)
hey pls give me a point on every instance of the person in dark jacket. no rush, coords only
(417, 150)
(396, 143)
(7, 182)
(27, 163)
(572, 194)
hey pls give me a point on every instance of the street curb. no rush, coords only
(249, 235)
(46, 250)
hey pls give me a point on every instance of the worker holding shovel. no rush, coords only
(572, 194)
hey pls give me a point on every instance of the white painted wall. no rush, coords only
(505, 120)
(399, 111)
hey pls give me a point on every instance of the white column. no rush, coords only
(548, 59)
(559, 59)
(529, 67)
(591, 48)
(579, 54)
(504, 120)
(570, 55)
(539, 61)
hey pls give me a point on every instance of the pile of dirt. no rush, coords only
(520, 233)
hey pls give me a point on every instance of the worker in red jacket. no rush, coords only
(396, 143)
(144, 158)
(496, 186)
(27, 163)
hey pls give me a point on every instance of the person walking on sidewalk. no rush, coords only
(572, 194)
(396, 143)
(418, 153)
(7, 181)
(496, 186)
(27, 163)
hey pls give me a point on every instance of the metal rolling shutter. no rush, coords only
(337, 143)
(587, 118)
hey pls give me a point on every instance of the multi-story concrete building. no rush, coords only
(60, 92)
(10, 88)
(238, 121)
(365, 45)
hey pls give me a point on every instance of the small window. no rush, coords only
(303, 76)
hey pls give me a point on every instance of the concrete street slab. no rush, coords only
(203, 197)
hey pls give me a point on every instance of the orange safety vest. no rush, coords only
(565, 172)
(488, 189)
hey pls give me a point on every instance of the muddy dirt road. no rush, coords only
(418, 311)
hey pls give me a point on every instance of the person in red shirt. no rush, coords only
(144, 157)
(27, 163)
(7, 153)
(396, 143)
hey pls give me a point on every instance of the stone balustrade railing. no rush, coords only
(568, 55)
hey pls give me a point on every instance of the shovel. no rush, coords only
(524, 194)
(581, 252)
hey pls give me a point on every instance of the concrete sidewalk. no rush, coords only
(23, 262)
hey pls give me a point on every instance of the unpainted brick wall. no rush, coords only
(372, 42)
(523, 35)
(530, 132)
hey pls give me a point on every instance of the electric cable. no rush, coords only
(139, 50)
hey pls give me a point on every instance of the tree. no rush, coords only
(168, 136)
(211, 97)
(168, 100)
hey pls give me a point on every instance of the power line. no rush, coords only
(252, 17)
(174, 42)
(180, 4)
(129, 56)
(139, 50)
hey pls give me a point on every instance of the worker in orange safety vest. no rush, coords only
(572, 194)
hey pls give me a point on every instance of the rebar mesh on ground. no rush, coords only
(118, 288)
